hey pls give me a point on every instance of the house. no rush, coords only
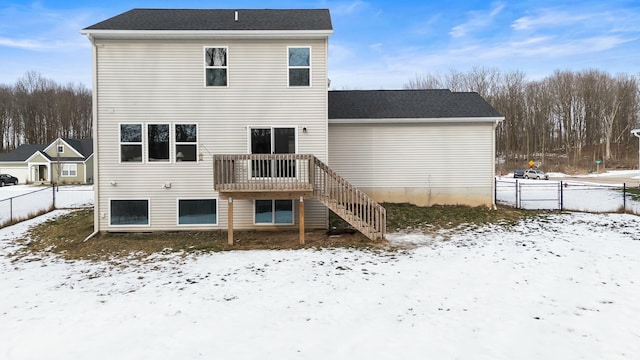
(62, 161)
(423, 147)
(222, 119)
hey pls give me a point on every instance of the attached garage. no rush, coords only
(423, 147)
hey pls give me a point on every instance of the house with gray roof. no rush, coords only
(222, 119)
(63, 161)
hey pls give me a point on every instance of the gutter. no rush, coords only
(447, 120)
(202, 34)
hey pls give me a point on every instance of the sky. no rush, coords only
(375, 45)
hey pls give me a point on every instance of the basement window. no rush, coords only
(197, 212)
(129, 212)
(273, 212)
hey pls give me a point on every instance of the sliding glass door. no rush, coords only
(273, 140)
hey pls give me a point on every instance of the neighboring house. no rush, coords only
(64, 161)
(222, 119)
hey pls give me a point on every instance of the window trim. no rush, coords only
(146, 143)
(74, 168)
(141, 143)
(176, 143)
(289, 67)
(226, 67)
(273, 205)
(197, 225)
(148, 200)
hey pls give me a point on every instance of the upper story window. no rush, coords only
(186, 142)
(158, 142)
(60, 149)
(131, 142)
(299, 66)
(215, 66)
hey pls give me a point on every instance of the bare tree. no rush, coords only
(564, 112)
(36, 110)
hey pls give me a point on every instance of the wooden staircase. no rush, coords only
(348, 202)
(299, 175)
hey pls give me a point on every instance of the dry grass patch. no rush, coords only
(407, 217)
(65, 235)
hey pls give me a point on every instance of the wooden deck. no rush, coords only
(296, 176)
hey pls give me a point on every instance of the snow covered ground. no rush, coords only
(591, 193)
(562, 287)
(22, 201)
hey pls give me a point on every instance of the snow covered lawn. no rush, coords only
(566, 286)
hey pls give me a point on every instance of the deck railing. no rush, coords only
(300, 172)
(349, 202)
(263, 172)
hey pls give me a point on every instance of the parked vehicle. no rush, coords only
(518, 173)
(6, 179)
(535, 174)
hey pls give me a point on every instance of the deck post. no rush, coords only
(301, 220)
(230, 222)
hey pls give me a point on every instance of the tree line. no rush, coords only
(561, 114)
(37, 110)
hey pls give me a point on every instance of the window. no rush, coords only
(186, 142)
(129, 212)
(215, 66)
(197, 211)
(273, 212)
(70, 170)
(60, 149)
(299, 66)
(130, 143)
(158, 142)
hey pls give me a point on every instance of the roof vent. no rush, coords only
(236, 16)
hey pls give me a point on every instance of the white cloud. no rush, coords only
(550, 18)
(348, 8)
(25, 44)
(46, 44)
(477, 20)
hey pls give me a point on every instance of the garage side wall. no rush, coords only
(423, 164)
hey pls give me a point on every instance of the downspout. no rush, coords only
(493, 182)
(94, 130)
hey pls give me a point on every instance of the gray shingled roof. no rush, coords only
(22, 152)
(201, 19)
(25, 151)
(409, 104)
(83, 146)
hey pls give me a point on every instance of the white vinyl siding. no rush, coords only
(442, 161)
(133, 87)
